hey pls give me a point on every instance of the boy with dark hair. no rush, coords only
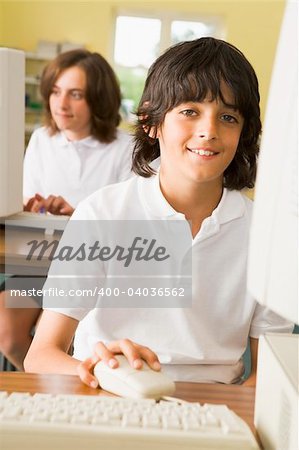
(200, 114)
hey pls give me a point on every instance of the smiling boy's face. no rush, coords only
(198, 140)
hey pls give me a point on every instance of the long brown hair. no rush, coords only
(102, 91)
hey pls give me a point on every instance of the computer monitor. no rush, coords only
(273, 251)
(12, 124)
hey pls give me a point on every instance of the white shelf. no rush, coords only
(37, 57)
(30, 79)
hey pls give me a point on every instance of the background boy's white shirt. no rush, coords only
(202, 343)
(74, 170)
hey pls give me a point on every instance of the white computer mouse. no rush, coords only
(133, 383)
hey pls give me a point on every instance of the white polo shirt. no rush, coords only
(205, 341)
(74, 170)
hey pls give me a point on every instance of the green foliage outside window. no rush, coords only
(132, 83)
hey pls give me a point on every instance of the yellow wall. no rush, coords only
(252, 25)
(1, 21)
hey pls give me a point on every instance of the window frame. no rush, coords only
(167, 17)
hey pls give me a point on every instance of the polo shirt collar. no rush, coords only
(88, 142)
(154, 200)
(230, 207)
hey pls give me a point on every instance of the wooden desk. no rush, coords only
(238, 398)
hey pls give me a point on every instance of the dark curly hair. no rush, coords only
(191, 71)
(102, 91)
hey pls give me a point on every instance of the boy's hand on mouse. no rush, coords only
(135, 354)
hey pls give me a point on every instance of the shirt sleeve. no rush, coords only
(32, 182)
(75, 277)
(266, 321)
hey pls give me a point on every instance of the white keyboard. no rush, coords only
(77, 422)
(37, 220)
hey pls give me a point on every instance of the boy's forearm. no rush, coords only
(50, 361)
(48, 352)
